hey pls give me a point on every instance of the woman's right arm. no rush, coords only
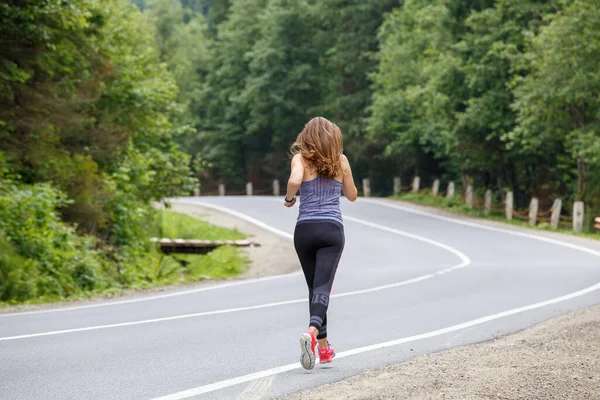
(295, 180)
(348, 186)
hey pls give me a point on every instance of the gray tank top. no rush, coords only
(320, 199)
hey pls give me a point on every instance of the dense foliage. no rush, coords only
(499, 93)
(504, 96)
(88, 122)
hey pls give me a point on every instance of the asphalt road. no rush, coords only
(409, 283)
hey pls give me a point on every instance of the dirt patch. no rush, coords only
(275, 255)
(557, 359)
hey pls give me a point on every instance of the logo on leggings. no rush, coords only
(320, 298)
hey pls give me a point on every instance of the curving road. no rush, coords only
(410, 282)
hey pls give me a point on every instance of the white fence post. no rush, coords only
(221, 189)
(436, 187)
(578, 210)
(533, 210)
(276, 187)
(249, 189)
(509, 205)
(487, 207)
(416, 184)
(469, 196)
(556, 210)
(450, 192)
(366, 187)
(397, 186)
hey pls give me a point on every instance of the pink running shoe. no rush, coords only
(308, 343)
(326, 355)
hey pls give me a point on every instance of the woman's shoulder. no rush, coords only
(345, 163)
(297, 159)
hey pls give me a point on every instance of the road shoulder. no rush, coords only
(556, 359)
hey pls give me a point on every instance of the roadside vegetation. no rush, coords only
(55, 269)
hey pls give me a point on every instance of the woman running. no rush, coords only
(322, 173)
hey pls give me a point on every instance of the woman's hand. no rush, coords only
(289, 204)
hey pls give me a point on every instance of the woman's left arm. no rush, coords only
(296, 176)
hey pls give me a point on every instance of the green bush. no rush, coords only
(42, 258)
(66, 263)
(223, 262)
(18, 275)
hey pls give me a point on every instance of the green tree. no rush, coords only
(348, 37)
(417, 87)
(84, 96)
(216, 11)
(492, 44)
(221, 112)
(282, 87)
(557, 103)
(183, 43)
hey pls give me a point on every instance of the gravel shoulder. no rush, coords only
(556, 359)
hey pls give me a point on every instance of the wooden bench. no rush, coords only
(189, 246)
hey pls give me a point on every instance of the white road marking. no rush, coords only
(289, 367)
(257, 389)
(240, 216)
(229, 382)
(156, 297)
(482, 226)
(150, 321)
(464, 262)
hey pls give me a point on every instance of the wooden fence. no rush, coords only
(555, 216)
(532, 214)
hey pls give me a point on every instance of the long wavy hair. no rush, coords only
(320, 144)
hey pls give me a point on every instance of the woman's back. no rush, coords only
(320, 199)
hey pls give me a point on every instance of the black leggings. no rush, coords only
(319, 244)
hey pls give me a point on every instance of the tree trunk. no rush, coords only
(500, 186)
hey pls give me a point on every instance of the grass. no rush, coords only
(223, 262)
(157, 269)
(171, 224)
(457, 205)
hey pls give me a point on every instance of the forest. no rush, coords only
(109, 106)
